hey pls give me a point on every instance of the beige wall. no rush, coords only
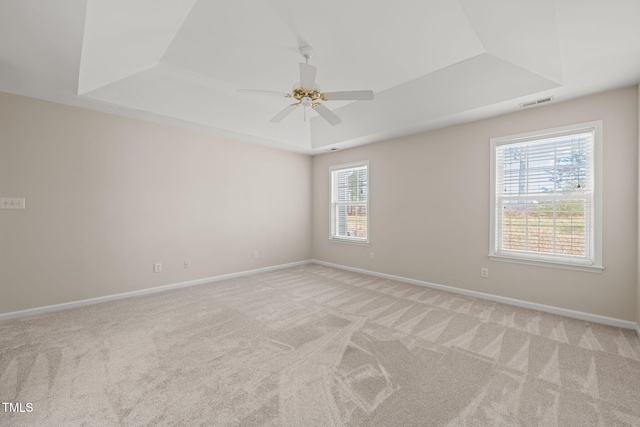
(429, 199)
(638, 278)
(107, 197)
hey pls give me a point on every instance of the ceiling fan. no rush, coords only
(307, 93)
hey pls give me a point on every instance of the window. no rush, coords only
(546, 197)
(350, 202)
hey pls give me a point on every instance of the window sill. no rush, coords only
(349, 241)
(578, 267)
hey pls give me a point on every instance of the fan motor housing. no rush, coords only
(313, 94)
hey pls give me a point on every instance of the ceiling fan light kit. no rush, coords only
(307, 93)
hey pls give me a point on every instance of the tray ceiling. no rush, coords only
(430, 64)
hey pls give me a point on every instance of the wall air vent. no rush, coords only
(536, 102)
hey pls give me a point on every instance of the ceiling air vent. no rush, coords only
(536, 102)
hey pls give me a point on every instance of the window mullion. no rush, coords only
(349, 202)
(544, 197)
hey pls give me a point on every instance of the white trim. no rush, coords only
(577, 267)
(595, 318)
(595, 126)
(348, 241)
(540, 307)
(557, 132)
(98, 300)
(350, 165)
(343, 239)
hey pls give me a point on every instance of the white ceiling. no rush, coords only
(431, 63)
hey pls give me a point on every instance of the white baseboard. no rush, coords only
(520, 303)
(638, 328)
(90, 301)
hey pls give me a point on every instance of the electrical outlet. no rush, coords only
(255, 254)
(12, 203)
(371, 256)
(484, 272)
(186, 264)
(157, 267)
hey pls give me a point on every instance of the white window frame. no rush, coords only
(332, 223)
(594, 263)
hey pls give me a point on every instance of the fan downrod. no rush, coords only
(307, 52)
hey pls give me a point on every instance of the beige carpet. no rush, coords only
(316, 346)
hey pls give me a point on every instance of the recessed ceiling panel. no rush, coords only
(357, 45)
(40, 44)
(596, 38)
(240, 42)
(524, 33)
(362, 46)
(124, 37)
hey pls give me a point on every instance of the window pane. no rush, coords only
(546, 198)
(549, 227)
(545, 167)
(357, 221)
(349, 196)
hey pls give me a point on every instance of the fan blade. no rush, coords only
(349, 95)
(308, 76)
(264, 92)
(284, 113)
(327, 114)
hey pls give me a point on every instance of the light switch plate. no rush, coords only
(12, 203)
